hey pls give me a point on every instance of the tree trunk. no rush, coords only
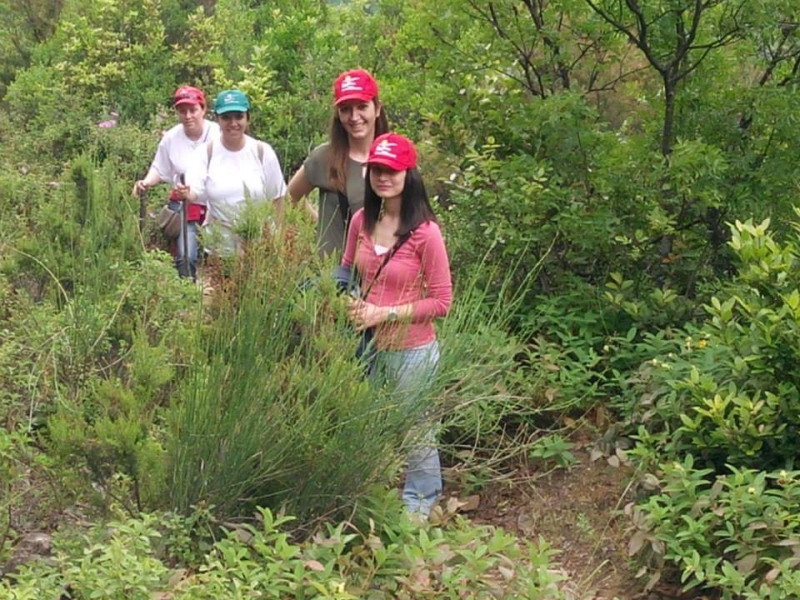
(667, 132)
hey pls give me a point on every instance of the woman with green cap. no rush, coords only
(229, 174)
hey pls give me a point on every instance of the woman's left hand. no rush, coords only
(365, 315)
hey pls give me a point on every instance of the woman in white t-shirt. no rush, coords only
(171, 161)
(232, 173)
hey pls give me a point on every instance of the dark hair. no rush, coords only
(340, 145)
(415, 208)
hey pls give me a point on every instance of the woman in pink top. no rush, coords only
(395, 245)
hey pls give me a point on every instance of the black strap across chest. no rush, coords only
(387, 257)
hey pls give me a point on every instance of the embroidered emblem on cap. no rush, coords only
(385, 149)
(351, 84)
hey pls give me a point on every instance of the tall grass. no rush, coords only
(488, 392)
(277, 412)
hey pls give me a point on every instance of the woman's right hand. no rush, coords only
(183, 192)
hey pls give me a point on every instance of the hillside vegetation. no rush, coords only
(616, 182)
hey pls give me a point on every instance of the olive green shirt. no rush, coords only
(330, 227)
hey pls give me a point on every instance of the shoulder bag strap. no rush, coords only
(392, 251)
(344, 211)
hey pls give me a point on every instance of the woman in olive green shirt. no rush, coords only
(336, 167)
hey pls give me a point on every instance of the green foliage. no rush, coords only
(561, 175)
(389, 557)
(93, 335)
(112, 53)
(728, 393)
(11, 473)
(739, 534)
(111, 432)
(553, 449)
(23, 24)
(275, 409)
(116, 562)
(721, 407)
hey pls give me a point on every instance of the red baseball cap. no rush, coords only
(394, 151)
(187, 94)
(357, 84)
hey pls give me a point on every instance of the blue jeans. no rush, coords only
(186, 269)
(411, 372)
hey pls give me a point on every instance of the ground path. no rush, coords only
(579, 511)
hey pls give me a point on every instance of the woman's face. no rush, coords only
(358, 118)
(233, 126)
(386, 183)
(191, 117)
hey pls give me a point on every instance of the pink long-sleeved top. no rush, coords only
(418, 273)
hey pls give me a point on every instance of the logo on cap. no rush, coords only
(350, 84)
(228, 98)
(384, 148)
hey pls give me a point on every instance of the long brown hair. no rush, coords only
(340, 145)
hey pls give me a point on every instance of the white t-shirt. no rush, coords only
(175, 150)
(231, 180)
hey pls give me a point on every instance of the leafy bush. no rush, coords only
(719, 414)
(728, 392)
(386, 557)
(740, 534)
(275, 409)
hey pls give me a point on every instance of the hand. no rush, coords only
(365, 315)
(182, 191)
(312, 210)
(140, 187)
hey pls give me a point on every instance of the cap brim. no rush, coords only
(385, 162)
(362, 97)
(183, 101)
(231, 108)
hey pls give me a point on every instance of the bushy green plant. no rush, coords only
(739, 534)
(728, 391)
(383, 555)
(275, 409)
(553, 450)
(718, 414)
(97, 330)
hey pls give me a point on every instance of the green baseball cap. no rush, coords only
(230, 101)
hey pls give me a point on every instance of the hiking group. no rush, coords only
(372, 209)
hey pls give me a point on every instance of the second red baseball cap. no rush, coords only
(394, 151)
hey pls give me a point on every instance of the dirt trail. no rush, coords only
(579, 512)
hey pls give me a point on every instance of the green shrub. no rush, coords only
(718, 413)
(384, 556)
(728, 392)
(274, 409)
(740, 534)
